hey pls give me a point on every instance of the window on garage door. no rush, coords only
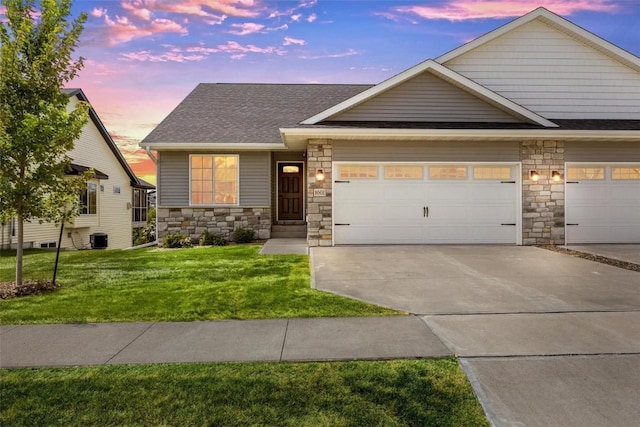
(358, 172)
(619, 173)
(403, 172)
(447, 172)
(492, 172)
(586, 173)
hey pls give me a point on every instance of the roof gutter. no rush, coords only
(290, 135)
(194, 146)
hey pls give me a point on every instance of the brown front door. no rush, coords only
(290, 194)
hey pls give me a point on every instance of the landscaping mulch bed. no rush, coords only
(10, 290)
(597, 258)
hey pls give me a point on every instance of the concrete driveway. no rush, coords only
(545, 338)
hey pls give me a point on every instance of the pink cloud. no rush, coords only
(459, 10)
(246, 28)
(350, 52)
(236, 48)
(173, 55)
(290, 40)
(312, 18)
(203, 8)
(98, 12)
(122, 30)
(137, 8)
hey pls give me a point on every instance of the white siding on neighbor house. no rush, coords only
(418, 151)
(553, 74)
(113, 217)
(173, 177)
(426, 97)
(114, 214)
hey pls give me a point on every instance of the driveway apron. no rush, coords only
(545, 338)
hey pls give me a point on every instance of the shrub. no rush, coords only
(243, 235)
(176, 240)
(210, 239)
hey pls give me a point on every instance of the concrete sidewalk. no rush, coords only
(317, 339)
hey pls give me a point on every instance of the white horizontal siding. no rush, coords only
(553, 74)
(114, 215)
(425, 98)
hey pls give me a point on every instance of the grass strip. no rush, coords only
(213, 283)
(374, 393)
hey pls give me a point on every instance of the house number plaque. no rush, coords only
(319, 192)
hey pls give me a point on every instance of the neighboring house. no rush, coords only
(527, 135)
(112, 199)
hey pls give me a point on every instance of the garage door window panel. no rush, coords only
(403, 172)
(491, 172)
(358, 172)
(624, 173)
(447, 172)
(596, 173)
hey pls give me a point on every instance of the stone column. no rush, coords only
(542, 200)
(319, 209)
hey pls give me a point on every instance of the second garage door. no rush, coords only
(388, 203)
(602, 203)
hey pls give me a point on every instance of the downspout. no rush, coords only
(151, 156)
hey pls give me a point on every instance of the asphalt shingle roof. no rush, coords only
(254, 113)
(246, 113)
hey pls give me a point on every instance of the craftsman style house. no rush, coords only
(529, 134)
(115, 200)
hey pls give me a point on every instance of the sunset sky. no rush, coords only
(144, 56)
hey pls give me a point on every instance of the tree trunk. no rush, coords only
(19, 251)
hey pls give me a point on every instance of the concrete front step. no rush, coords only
(288, 231)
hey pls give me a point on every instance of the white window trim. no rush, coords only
(237, 156)
(85, 215)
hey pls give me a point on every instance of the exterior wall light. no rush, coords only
(555, 175)
(319, 175)
(534, 175)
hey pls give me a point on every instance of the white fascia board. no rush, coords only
(299, 134)
(441, 72)
(179, 146)
(551, 18)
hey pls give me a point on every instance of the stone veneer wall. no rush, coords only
(542, 200)
(319, 207)
(221, 220)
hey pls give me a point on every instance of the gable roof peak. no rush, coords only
(546, 16)
(441, 72)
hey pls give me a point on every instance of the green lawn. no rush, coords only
(395, 393)
(232, 282)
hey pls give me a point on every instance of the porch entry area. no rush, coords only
(290, 191)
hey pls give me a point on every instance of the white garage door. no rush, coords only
(425, 203)
(602, 203)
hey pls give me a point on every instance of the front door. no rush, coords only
(290, 191)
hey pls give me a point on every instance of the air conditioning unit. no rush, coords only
(99, 240)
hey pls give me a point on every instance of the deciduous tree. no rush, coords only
(37, 129)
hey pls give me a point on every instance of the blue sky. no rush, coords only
(144, 56)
